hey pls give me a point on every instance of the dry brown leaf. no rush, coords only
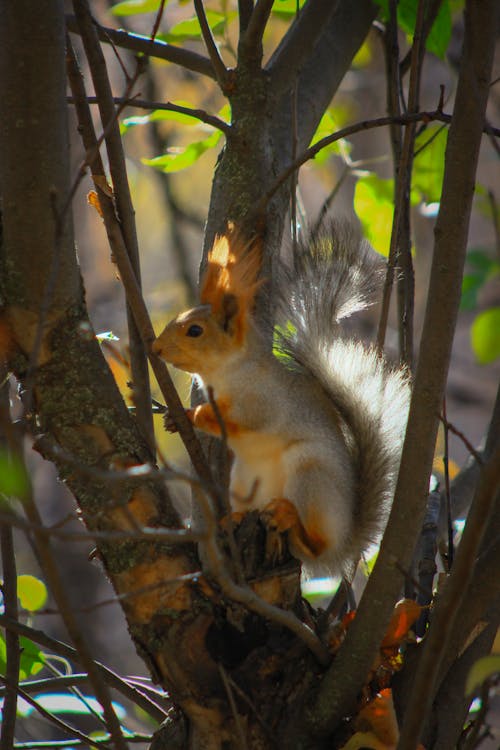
(93, 200)
(406, 612)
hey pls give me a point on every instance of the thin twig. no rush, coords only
(310, 153)
(197, 114)
(221, 72)
(451, 427)
(63, 744)
(449, 520)
(70, 653)
(329, 200)
(143, 44)
(234, 710)
(157, 22)
(53, 719)
(145, 533)
(123, 204)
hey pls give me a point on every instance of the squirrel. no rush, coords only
(315, 423)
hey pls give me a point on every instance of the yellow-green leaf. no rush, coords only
(13, 478)
(132, 7)
(32, 592)
(180, 158)
(485, 336)
(374, 206)
(428, 166)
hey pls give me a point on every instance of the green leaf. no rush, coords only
(32, 592)
(13, 477)
(286, 9)
(374, 207)
(428, 166)
(32, 659)
(180, 158)
(440, 34)
(190, 28)
(132, 7)
(328, 124)
(485, 336)
(480, 671)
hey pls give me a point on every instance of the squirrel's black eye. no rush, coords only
(194, 331)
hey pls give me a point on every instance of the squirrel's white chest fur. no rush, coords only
(258, 472)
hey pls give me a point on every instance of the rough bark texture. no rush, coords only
(187, 632)
(232, 673)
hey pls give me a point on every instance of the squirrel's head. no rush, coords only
(204, 337)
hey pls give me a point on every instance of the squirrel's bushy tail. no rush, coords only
(335, 274)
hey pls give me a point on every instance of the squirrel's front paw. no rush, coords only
(279, 516)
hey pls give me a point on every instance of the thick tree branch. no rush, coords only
(323, 70)
(449, 604)
(251, 39)
(143, 44)
(343, 681)
(297, 44)
(13, 656)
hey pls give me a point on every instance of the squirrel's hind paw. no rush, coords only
(281, 516)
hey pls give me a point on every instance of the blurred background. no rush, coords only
(171, 208)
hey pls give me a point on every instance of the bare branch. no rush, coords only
(123, 203)
(137, 304)
(143, 44)
(297, 43)
(379, 122)
(52, 718)
(254, 31)
(449, 604)
(221, 71)
(112, 679)
(157, 22)
(197, 114)
(13, 656)
(352, 662)
(245, 9)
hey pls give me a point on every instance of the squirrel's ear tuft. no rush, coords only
(231, 279)
(228, 314)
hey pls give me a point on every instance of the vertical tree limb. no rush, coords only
(339, 688)
(449, 604)
(124, 207)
